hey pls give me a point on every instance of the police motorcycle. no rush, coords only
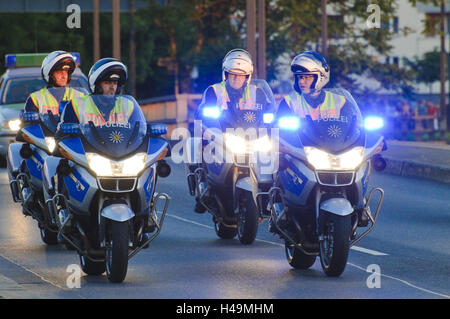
(25, 160)
(231, 141)
(102, 194)
(319, 202)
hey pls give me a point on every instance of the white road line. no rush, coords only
(405, 282)
(357, 248)
(369, 251)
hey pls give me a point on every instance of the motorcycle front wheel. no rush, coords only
(247, 225)
(116, 257)
(335, 244)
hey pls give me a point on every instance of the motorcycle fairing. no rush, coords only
(14, 158)
(298, 182)
(155, 148)
(372, 143)
(76, 186)
(149, 183)
(49, 173)
(74, 148)
(35, 163)
(35, 135)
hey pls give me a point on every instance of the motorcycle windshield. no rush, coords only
(251, 114)
(334, 133)
(112, 124)
(53, 102)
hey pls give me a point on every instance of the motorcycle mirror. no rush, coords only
(163, 169)
(379, 163)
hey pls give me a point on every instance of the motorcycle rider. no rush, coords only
(56, 70)
(103, 106)
(234, 93)
(309, 98)
(106, 78)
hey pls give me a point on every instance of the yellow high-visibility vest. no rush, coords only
(86, 111)
(246, 102)
(330, 108)
(45, 100)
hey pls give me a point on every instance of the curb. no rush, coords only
(415, 169)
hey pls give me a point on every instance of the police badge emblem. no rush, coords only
(250, 117)
(116, 137)
(334, 131)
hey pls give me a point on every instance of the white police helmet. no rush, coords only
(107, 69)
(313, 63)
(237, 61)
(57, 60)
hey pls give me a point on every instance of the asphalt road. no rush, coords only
(409, 249)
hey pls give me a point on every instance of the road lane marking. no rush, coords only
(404, 282)
(357, 248)
(368, 251)
(372, 252)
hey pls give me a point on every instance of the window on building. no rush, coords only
(395, 25)
(395, 60)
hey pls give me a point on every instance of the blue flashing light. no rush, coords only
(211, 112)
(70, 128)
(10, 61)
(31, 116)
(373, 123)
(157, 129)
(268, 118)
(291, 123)
(77, 58)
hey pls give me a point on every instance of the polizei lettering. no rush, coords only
(187, 309)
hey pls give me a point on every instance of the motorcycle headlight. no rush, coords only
(236, 144)
(14, 125)
(325, 161)
(103, 166)
(262, 144)
(51, 144)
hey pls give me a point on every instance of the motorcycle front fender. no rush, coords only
(337, 206)
(117, 212)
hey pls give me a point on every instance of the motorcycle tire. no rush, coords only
(247, 225)
(335, 246)
(116, 259)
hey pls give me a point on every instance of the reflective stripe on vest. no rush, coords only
(45, 101)
(330, 108)
(246, 102)
(87, 111)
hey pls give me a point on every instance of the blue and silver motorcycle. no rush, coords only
(25, 160)
(319, 202)
(231, 141)
(102, 193)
